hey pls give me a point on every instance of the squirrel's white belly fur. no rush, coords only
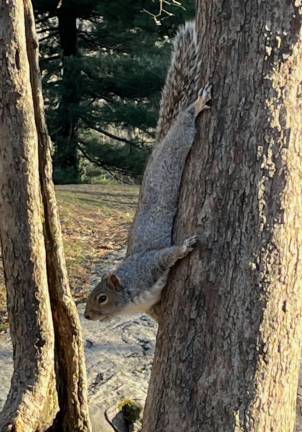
(146, 299)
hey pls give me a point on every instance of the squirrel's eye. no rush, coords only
(102, 298)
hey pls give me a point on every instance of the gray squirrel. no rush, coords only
(136, 284)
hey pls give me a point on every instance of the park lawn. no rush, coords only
(95, 221)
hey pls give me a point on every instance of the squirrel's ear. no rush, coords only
(114, 282)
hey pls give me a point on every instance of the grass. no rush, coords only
(95, 220)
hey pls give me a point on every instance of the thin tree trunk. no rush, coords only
(66, 156)
(34, 278)
(228, 348)
(71, 375)
(32, 399)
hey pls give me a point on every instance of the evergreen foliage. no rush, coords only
(104, 64)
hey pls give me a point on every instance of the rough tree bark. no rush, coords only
(47, 360)
(228, 346)
(23, 249)
(299, 402)
(71, 375)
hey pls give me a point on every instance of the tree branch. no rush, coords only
(117, 138)
(98, 162)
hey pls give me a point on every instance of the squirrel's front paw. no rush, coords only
(190, 243)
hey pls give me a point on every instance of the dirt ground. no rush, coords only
(119, 353)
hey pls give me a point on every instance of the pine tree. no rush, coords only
(104, 65)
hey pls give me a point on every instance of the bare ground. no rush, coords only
(95, 222)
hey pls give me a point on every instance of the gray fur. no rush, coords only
(153, 222)
(152, 227)
(136, 284)
(182, 81)
(141, 279)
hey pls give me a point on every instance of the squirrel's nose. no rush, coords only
(87, 315)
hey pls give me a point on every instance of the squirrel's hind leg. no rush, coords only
(190, 243)
(204, 97)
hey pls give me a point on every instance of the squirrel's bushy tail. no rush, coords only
(181, 86)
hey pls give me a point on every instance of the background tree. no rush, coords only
(228, 350)
(48, 388)
(104, 65)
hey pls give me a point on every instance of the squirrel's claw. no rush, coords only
(190, 242)
(204, 96)
(206, 92)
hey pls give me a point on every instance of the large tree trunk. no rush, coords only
(228, 348)
(25, 149)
